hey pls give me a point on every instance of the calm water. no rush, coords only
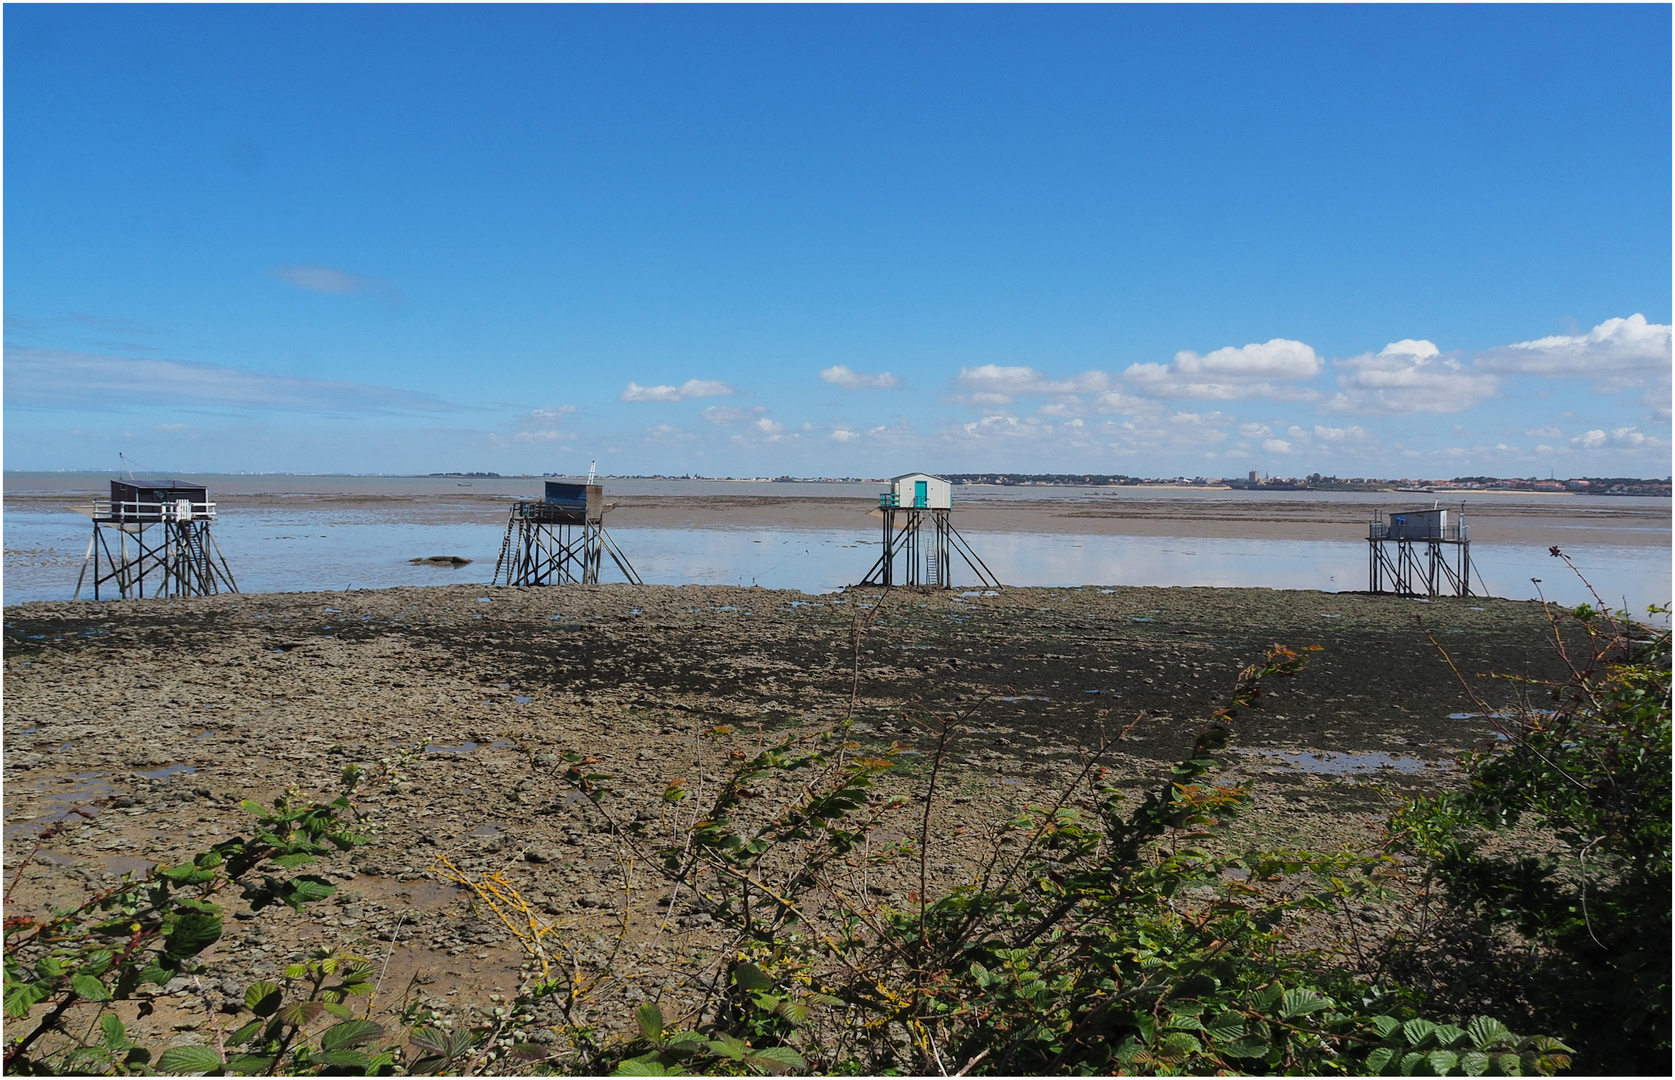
(312, 549)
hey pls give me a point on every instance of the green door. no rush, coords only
(921, 495)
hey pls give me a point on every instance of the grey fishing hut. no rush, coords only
(1419, 553)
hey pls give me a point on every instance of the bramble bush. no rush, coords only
(1582, 773)
(1098, 938)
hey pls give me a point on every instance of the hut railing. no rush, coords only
(133, 511)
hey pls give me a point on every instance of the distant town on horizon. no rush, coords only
(1581, 485)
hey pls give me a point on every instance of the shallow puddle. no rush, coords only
(55, 806)
(165, 771)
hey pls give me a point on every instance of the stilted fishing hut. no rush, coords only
(919, 539)
(153, 538)
(559, 539)
(1419, 553)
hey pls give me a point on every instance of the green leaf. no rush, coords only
(1448, 1034)
(346, 1059)
(90, 988)
(792, 1013)
(1485, 1033)
(751, 977)
(158, 973)
(300, 1013)
(1301, 1001)
(189, 1059)
(249, 1064)
(1417, 1031)
(1226, 1026)
(193, 933)
(779, 1059)
(350, 1033)
(1386, 1026)
(262, 998)
(1474, 1063)
(305, 890)
(115, 1035)
(729, 1047)
(1509, 1064)
(1442, 1061)
(1251, 1046)
(643, 1066)
(292, 861)
(1379, 1058)
(342, 1012)
(429, 1040)
(244, 1034)
(253, 808)
(650, 1019)
(20, 997)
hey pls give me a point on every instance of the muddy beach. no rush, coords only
(460, 700)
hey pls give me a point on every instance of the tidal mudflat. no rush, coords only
(161, 715)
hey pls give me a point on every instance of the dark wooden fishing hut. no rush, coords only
(152, 537)
(559, 539)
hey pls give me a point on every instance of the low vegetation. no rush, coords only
(1102, 934)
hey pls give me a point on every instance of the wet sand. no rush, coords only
(175, 709)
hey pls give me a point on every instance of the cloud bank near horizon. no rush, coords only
(63, 379)
(1600, 396)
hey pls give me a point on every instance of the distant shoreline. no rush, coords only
(1645, 488)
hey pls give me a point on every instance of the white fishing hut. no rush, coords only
(925, 557)
(921, 491)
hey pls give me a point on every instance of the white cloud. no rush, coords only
(841, 375)
(1115, 401)
(58, 378)
(769, 427)
(843, 435)
(1415, 347)
(549, 435)
(728, 415)
(691, 388)
(992, 384)
(1276, 446)
(1409, 376)
(1257, 370)
(1623, 438)
(1548, 432)
(547, 418)
(1338, 434)
(1615, 346)
(1254, 430)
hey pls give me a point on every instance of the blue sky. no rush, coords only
(1380, 241)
